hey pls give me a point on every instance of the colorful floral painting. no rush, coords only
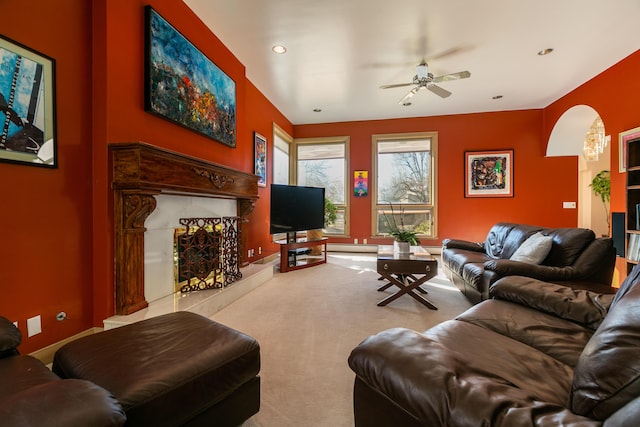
(184, 86)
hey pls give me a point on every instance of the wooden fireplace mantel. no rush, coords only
(142, 171)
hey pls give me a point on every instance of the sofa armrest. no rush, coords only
(463, 244)
(72, 403)
(10, 338)
(584, 307)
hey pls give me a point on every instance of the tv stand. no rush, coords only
(298, 254)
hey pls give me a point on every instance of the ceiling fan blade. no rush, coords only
(409, 95)
(452, 76)
(443, 93)
(395, 85)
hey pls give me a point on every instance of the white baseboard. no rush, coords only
(348, 247)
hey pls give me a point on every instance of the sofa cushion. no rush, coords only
(568, 243)
(533, 250)
(22, 372)
(607, 375)
(556, 337)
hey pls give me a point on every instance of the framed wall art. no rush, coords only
(27, 106)
(360, 183)
(184, 86)
(260, 158)
(623, 138)
(488, 173)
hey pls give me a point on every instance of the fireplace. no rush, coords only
(205, 252)
(145, 179)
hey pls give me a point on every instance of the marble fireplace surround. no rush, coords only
(140, 173)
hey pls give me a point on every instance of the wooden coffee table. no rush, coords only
(407, 272)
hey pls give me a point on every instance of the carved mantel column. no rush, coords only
(141, 171)
(132, 208)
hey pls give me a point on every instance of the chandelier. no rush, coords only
(595, 141)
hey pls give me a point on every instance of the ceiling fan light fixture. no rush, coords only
(544, 52)
(279, 49)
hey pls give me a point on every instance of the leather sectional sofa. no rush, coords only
(536, 354)
(574, 257)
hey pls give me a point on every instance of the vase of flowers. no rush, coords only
(403, 238)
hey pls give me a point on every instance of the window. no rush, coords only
(281, 146)
(321, 162)
(404, 182)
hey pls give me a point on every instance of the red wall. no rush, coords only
(58, 240)
(46, 254)
(614, 95)
(461, 217)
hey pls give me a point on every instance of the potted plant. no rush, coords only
(330, 215)
(601, 186)
(330, 212)
(403, 238)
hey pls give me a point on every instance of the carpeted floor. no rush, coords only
(308, 321)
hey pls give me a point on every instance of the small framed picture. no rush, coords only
(623, 139)
(360, 183)
(27, 106)
(488, 173)
(260, 158)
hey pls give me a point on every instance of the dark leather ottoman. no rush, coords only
(171, 370)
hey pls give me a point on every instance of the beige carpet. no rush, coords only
(308, 321)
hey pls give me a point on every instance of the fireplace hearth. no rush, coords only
(141, 172)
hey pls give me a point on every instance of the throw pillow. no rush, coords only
(533, 250)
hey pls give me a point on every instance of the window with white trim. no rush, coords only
(322, 162)
(405, 182)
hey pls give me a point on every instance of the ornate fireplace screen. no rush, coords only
(206, 253)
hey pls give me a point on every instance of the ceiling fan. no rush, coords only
(425, 80)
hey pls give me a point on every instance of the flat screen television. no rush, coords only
(296, 208)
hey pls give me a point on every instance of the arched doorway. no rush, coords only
(567, 139)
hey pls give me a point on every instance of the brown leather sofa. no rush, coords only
(576, 258)
(32, 395)
(536, 354)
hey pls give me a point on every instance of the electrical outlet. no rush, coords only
(34, 326)
(15, 323)
(364, 241)
(249, 253)
(355, 241)
(259, 250)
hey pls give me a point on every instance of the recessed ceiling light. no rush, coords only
(317, 110)
(544, 52)
(496, 97)
(279, 49)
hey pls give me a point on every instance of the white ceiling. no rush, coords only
(341, 51)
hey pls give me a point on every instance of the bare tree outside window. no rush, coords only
(404, 182)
